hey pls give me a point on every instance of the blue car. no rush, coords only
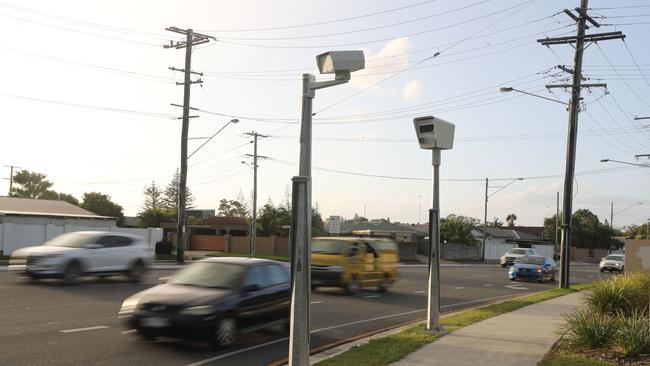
(534, 267)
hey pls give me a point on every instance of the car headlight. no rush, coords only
(513, 269)
(538, 270)
(197, 310)
(128, 306)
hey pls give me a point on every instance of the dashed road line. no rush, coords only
(83, 329)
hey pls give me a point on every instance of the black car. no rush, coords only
(214, 299)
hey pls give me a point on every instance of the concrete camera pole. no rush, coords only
(433, 307)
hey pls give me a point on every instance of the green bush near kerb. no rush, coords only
(625, 293)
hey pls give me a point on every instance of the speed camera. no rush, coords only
(434, 133)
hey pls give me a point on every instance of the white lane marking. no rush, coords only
(316, 302)
(458, 288)
(420, 292)
(372, 296)
(165, 278)
(83, 329)
(517, 287)
(488, 285)
(130, 331)
(226, 355)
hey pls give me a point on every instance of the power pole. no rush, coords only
(611, 216)
(11, 177)
(557, 222)
(191, 39)
(485, 221)
(253, 243)
(419, 208)
(574, 108)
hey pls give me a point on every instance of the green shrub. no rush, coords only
(585, 328)
(633, 335)
(625, 293)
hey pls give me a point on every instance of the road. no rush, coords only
(46, 323)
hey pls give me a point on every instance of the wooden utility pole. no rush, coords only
(253, 244)
(484, 221)
(574, 108)
(11, 177)
(191, 39)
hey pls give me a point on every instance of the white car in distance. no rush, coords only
(70, 256)
(613, 262)
(515, 254)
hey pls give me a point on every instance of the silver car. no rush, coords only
(613, 262)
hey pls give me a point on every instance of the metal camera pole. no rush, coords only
(433, 307)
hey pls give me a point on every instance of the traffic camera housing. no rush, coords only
(340, 63)
(434, 133)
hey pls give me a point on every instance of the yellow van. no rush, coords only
(353, 263)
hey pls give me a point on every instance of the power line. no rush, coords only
(106, 109)
(322, 22)
(619, 76)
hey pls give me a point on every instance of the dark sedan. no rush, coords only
(535, 267)
(214, 299)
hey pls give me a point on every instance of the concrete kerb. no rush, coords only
(337, 350)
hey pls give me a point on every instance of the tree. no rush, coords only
(458, 229)
(154, 217)
(317, 225)
(152, 197)
(170, 196)
(232, 208)
(101, 204)
(636, 231)
(510, 220)
(68, 198)
(586, 231)
(271, 219)
(358, 218)
(32, 185)
(495, 223)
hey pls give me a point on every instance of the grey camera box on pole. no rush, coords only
(436, 135)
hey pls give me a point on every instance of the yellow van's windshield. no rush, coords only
(321, 246)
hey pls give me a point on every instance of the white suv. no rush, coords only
(71, 255)
(515, 254)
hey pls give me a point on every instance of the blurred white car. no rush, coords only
(72, 255)
(613, 262)
(515, 254)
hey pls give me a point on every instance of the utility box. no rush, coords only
(637, 255)
(434, 133)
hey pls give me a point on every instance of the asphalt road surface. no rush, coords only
(46, 323)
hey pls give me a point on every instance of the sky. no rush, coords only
(87, 88)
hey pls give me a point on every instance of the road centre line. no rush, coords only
(316, 302)
(83, 329)
(458, 288)
(226, 355)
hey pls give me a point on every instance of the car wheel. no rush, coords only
(136, 273)
(225, 332)
(553, 277)
(503, 265)
(72, 273)
(147, 334)
(384, 285)
(352, 287)
(513, 278)
(602, 270)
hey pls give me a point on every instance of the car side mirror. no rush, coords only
(252, 287)
(92, 246)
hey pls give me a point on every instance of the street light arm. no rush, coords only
(506, 90)
(211, 137)
(504, 187)
(624, 162)
(627, 208)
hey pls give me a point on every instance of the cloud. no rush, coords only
(412, 90)
(393, 57)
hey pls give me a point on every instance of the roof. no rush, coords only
(509, 233)
(350, 226)
(51, 208)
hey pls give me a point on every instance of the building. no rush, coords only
(500, 240)
(26, 222)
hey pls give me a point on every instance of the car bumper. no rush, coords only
(326, 278)
(174, 326)
(35, 270)
(611, 268)
(526, 275)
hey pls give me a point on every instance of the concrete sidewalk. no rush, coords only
(520, 338)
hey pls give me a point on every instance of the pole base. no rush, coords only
(437, 330)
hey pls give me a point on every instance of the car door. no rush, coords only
(112, 255)
(254, 297)
(279, 296)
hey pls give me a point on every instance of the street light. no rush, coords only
(341, 64)
(434, 134)
(509, 89)
(234, 120)
(624, 162)
(486, 207)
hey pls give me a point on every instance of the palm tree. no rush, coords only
(510, 220)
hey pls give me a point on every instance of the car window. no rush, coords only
(614, 257)
(276, 274)
(114, 241)
(256, 275)
(209, 274)
(518, 251)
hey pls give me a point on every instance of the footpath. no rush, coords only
(518, 338)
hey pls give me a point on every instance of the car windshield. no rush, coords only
(518, 251)
(72, 240)
(532, 260)
(326, 246)
(614, 257)
(209, 274)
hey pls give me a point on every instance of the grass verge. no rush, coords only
(386, 350)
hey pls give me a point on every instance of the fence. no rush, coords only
(14, 236)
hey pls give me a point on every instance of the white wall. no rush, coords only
(495, 248)
(15, 236)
